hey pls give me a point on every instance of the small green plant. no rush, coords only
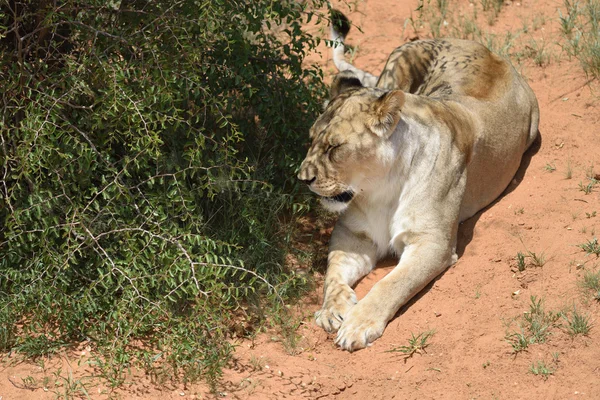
(581, 36)
(590, 215)
(69, 387)
(591, 283)
(416, 344)
(587, 189)
(538, 321)
(589, 172)
(257, 363)
(541, 369)
(519, 341)
(537, 260)
(578, 324)
(569, 20)
(467, 28)
(550, 167)
(492, 8)
(288, 324)
(591, 247)
(538, 21)
(538, 52)
(502, 47)
(534, 326)
(30, 383)
(521, 265)
(569, 169)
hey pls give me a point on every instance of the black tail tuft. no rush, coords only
(340, 22)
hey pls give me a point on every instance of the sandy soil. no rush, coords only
(474, 303)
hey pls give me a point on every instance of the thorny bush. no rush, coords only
(147, 155)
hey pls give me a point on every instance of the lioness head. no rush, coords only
(350, 141)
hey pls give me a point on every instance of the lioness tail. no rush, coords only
(339, 28)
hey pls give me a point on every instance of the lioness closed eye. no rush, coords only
(405, 157)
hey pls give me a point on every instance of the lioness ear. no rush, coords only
(386, 112)
(342, 82)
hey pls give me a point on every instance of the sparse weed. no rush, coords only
(550, 167)
(580, 28)
(538, 21)
(569, 169)
(541, 369)
(29, 382)
(591, 283)
(257, 363)
(69, 387)
(538, 321)
(587, 189)
(521, 265)
(591, 247)
(569, 20)
(467, 28)
(537, 260)
(492, 8)
(589, 172)
(534, 326)
(519, 341)
(578, 324)
(538, 52)
(416, 344)
(502, 48)
(288, 324)
(590, 215)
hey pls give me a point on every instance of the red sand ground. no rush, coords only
(471, 304)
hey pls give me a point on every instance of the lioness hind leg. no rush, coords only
(350, 258)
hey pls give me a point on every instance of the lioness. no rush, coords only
(405, 157)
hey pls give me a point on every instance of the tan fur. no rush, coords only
(439, 138)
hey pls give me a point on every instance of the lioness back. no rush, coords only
(449, 75)
(445, 68)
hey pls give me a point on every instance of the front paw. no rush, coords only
(339, 300)
(361, 327)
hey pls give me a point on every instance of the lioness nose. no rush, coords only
(306, 174)
(309, 180)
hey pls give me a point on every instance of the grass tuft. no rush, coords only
(580, 28)
(416, 344)
(591, 283)
(535, 260)
(534, 326)
(541, 369)
(578, 324)
(591, 247)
